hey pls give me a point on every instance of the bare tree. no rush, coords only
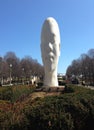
(91, 53)
(26, 67)
(83, 66)
(12, 61)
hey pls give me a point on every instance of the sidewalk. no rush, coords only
(90, 87)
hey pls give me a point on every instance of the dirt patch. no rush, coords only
(38, 94)
(43, 94)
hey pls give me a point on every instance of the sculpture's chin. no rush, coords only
(50, 68)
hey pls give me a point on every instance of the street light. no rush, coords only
(10, 73)
(23, 75)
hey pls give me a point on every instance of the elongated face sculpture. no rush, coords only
(50, 46)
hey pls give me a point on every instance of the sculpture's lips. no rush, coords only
(51, 54)
(50, 57)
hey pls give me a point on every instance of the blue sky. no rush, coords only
(21, 22)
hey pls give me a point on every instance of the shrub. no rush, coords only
(69, 111)
(15, 93)
(6, 93)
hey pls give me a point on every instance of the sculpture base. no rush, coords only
(51, 89)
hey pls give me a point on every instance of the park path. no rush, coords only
(90, 87)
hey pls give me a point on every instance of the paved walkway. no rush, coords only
(90, 87)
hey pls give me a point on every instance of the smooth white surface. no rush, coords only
(50, 51)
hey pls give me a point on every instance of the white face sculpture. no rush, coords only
(50, 44)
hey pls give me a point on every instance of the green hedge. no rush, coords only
(67, 111)
(15, 93)
(6, 93)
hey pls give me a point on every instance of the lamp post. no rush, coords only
(10, 73)
(23, 76)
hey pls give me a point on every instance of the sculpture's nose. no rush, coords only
(50, 47)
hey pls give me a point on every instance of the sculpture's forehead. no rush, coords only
(50, 25)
